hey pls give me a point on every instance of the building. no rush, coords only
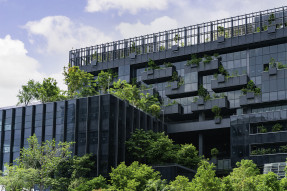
(99, 125)
(250, 47)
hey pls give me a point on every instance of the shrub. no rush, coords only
(276, 127)
(216, 110)
(214, 152)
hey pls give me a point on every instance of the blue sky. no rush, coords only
(36, 35)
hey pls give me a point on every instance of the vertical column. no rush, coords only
(211, 31)
(115, 51)
(126, 48)
(143, 45)
(283, 19)
(166, 40)
(198, 34)
(99, 136)
(103, 52)
(200, 144)
(88, 125)
(232, 28)
(185, 36)
(246, 24)
(88, 56)
(154, 42)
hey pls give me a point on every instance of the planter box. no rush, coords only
(220, 39)
(220, 102)
(250, 95)
(179, 92)
(250, 99)
(272, 29)
(217, 120)
(209, 68)
(174, 48)
(175, 109)
(220, 78)
(233, 83)
(272, 71)
(158, 75)
(132, 55)
(200, 101)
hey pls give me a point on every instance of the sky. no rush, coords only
(36, 35)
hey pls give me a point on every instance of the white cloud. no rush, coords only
(16, 69)
(131, 6)
(129, 30)
(60, 35)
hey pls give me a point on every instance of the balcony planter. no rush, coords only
(217, 120)
(271, 29)
(174, 48)
(220, 39)
(272, 71)
(207, 105)
(132, 55)
(250, 99)
(175, 91)
(220, 78)
(200, 101)
(250, 95)
(209, 68)
(175, 109)
(230, 84)
(158, 75)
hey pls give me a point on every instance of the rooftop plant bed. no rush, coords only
(206, 65)
(155, 74)
(222, 83)
(273, 66)
(175, 90)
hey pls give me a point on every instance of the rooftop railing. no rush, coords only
(181, 37)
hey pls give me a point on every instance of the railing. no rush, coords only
(186, 36)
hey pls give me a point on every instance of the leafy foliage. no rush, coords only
(104, 80)
(79, 82)
(251, 88)
(216, 110)
(28, 92)
(194, 60)
(188, 156)
(96, 183)
(205, 179)
(152, 65)
(214, 152)
(133, 177)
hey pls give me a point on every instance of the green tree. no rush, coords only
(180, 183)
(48, 91)
(133, 177)
(188, 156)
(17, 178)
(96, 183)
(104, 80)
(44, 159)
(28, 92)
(79, 82)
(205, 179)
(158, 184)
(244, 176)
(154, 148)
(74, 171)
(268, 182)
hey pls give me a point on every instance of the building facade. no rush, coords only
(234, 52)
(99, 125)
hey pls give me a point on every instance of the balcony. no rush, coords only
(175, 91)
(250, 99)
(158, 75)
(221, 84)
(201, 105)
(173, 110)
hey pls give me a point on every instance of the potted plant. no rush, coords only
(216, 110)
(214, 152)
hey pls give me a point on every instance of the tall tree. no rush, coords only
(48, 91)
(44, 159)
(28, 92)
(79, 82)
(205, 179)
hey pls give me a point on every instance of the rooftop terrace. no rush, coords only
(267, 20)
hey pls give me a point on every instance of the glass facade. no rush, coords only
(98, 125)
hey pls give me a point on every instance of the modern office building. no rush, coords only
(99, 125)
(250, 47)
